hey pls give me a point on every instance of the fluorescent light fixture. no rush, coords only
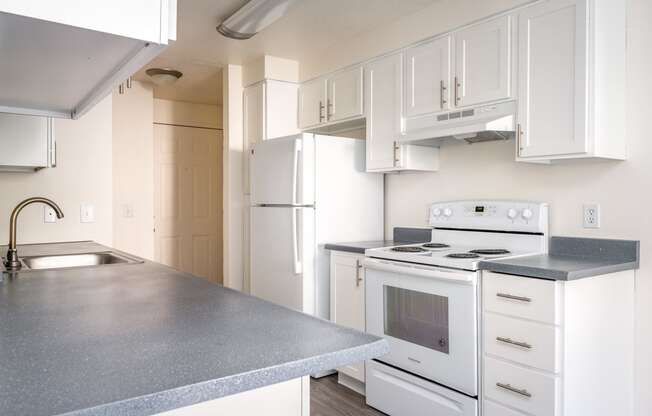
(163, 76)
(253, 17)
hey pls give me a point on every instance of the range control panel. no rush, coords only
(522, 216)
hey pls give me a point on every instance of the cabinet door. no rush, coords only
(383, 98)
(347, 299)
(427, 77)
(344, 95)
(552, 79)
(312, 103)
(280, 109)
(254, 124)
(482, 62)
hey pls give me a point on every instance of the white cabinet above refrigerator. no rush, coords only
(60, 58)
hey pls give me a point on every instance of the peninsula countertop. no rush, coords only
(140, 339)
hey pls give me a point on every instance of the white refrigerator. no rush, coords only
(307, 190)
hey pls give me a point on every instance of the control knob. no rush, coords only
(448, 212)
(512, 213)
(527, 213)
(436, 212)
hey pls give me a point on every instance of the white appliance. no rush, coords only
(307, 190)
(474, 124)
(424, 299)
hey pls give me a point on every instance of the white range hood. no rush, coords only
(474, 124)
(59, 58)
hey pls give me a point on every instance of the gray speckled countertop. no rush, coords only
(572, 258)
(139, 339)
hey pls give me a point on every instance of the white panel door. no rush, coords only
(188, 199)
(253, 100)
(383, 98)
(347, 299)
(282, 171)
(552, 78)
(344, 91)
(281, 259)
(427, 78)
(312, 103)
(482, 62)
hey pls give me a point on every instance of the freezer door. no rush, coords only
(282, 171)
(283, 255)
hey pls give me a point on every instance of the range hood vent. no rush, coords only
(472, 125)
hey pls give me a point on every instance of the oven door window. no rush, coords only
(416, 317)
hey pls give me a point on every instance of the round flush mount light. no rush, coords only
(163, 76)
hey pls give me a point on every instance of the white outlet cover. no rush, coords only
(591, 215)
(87, 213)
(49, 216)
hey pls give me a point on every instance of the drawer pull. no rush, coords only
(512, 342)
(509, 387)
(513, 297)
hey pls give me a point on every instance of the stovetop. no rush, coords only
(466, 257)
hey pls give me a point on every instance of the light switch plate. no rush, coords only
(87, 213)
(591, 215)
(127, 211)
(49, 215)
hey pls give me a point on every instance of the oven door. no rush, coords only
(429, 317)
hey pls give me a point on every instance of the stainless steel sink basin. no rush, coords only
(76, 260)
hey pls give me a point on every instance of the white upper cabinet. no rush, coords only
(571, 80)
(60, 58)
(28, 143)
(427, 80)
(483, 62)
(383, 102)
(312, 103)
(344, 91)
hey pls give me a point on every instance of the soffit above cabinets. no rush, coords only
(58, 70)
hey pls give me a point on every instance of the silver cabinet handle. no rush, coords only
(509, 387)
(512, 342)
(397, 158)
(519, 138)
(457, 93)
(329, 107)
(321, 111)
(358, 279)
(513, 297)
(442, 92)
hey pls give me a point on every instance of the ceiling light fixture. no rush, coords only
(253, 17)
(163, 76)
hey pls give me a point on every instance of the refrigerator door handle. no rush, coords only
(295, 241)
(295, 171)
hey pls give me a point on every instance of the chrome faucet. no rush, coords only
(12, 262)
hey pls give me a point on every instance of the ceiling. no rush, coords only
(200, 51)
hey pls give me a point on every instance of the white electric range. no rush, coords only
(424, 299)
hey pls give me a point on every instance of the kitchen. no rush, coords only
(463, 171)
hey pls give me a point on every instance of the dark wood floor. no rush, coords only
(327, 398)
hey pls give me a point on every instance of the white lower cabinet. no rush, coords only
(399, 393)
(347, 301)
(557, 348)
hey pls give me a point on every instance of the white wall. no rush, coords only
(133, 170)
(83, 175)
(183, 113)
(488, 170)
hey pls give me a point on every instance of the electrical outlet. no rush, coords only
(86, 213)
(591, 215)
(49, 215)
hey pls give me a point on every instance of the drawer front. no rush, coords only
(523, 389)
(522, 297)
(494, 409)
(524, 342)
(397, 393)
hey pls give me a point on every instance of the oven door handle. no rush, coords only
(414, 270)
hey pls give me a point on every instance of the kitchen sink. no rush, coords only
(76, 260)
